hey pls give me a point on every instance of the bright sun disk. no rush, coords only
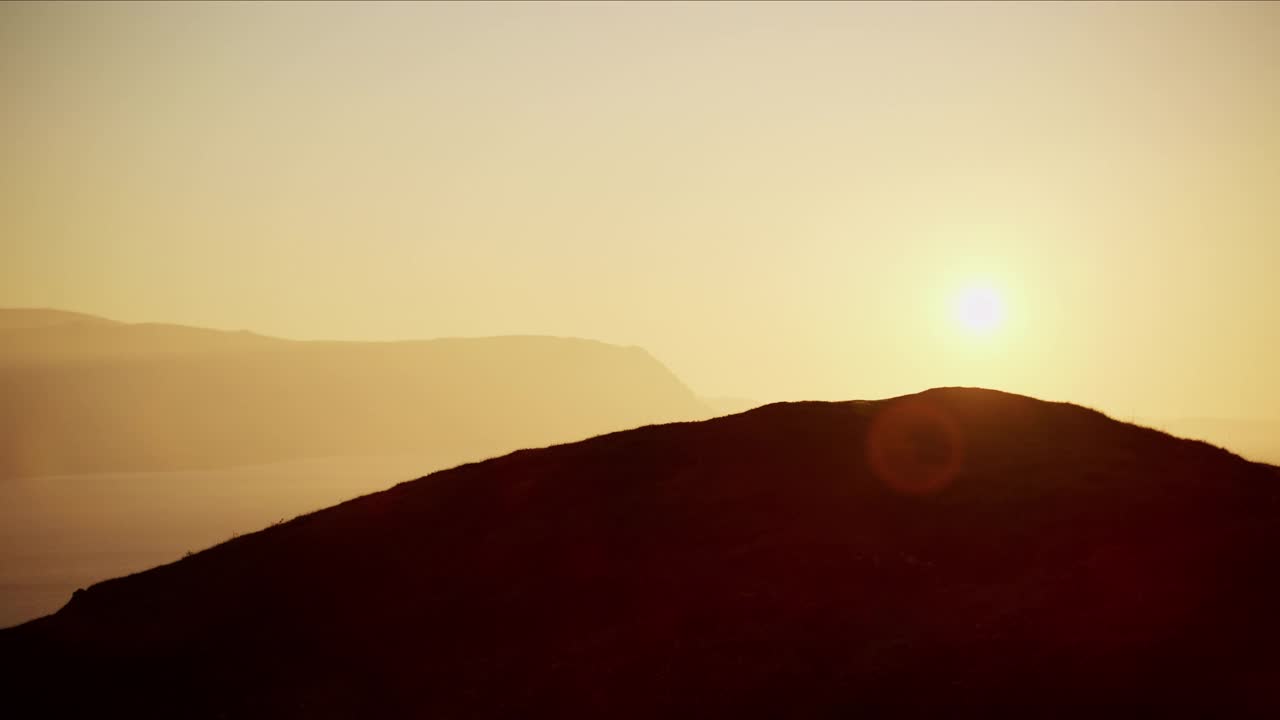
(980, 309)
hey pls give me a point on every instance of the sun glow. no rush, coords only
(979, 309)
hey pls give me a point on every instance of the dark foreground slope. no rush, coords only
(91, 396)
(954, 548)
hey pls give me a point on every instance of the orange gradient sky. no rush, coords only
(777, 200)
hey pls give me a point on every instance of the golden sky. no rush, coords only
(777, 200)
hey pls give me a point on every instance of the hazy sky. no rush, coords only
(778, 201)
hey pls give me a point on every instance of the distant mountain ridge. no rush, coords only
(958, 550)
(93, 395)
(25, 318)
(77, 342)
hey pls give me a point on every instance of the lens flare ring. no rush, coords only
(915, 448)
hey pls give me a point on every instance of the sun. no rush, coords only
(979, 309)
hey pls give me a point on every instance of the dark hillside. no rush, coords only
(957, 548)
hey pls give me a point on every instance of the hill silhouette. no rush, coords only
(956, 548)
(88, 395)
